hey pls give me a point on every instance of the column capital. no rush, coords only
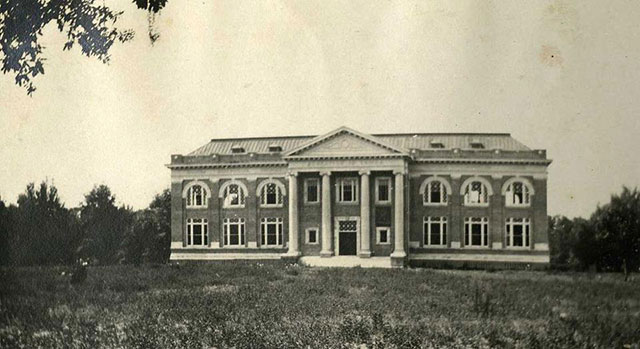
(364, 172)
(325, 173)
(293, 173)
(398, 172)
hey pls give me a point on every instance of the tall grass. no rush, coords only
(273, 305)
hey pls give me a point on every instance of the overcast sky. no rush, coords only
(558, 75)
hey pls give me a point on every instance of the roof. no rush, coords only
(421, 141)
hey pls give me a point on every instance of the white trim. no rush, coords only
(376, 191)
(185, 256)
(187, 189)
(510, 223)
(388, 229)
(226, 185)
(504, 258)
(336, 233)
(281, 192)
(306, 191)
(242, 232)
(527, 188)
(264, 224)
(340, 181)
(426, 233)
(203, 223)
(541, 246)
(485, 183)
(306, 236)
(344, 129)
(444, 185)
(485, 233)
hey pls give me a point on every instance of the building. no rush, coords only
(418, 198)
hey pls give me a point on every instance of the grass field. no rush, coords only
(272, 305)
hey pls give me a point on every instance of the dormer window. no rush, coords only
(274, 148)
(236, 149)
(475, 144)
(436, 145)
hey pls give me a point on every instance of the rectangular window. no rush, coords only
(233, 231)
(476, 231)
(197, 232)
(383, 190)
(435, 231)
(347, 190)
(312, 236)
(271, 231)
(383, 235)
(518, 232)
(311, 190)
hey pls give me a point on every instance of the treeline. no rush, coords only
(608, 241)
(40, 230)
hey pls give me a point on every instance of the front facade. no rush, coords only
(410, 198)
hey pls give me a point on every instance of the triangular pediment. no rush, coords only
(345, 142)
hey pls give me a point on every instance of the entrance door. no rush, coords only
(347, 238)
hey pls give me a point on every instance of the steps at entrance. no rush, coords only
(346, 261)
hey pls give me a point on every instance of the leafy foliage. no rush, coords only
(104, 225)
(90, 25)
(609, 240)
(43, 231)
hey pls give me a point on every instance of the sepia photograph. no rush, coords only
(319, 174)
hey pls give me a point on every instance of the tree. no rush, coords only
(149, 237)
(6, 224)
(617, 230)
(90, 25)
(44, 231)
(104, 225)
(161, 207)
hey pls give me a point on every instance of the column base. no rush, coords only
(326, 254)
(398, 259)
(365, 254)
(291, 257)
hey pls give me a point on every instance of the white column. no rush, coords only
(294, 248)
(327, 251)
(365, 206)
(398, 215)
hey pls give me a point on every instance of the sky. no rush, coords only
(558, 75)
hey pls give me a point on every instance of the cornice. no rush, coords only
(545, 162)
(227, 165)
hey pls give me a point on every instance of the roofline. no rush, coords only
(374, 134)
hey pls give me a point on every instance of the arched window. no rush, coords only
(233, 194)
(435, 191)
(271, 192)
(196, 194)
(476, 191)
(196, 197)
(517, 192)
(197, 232)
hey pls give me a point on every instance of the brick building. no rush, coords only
(418, 198)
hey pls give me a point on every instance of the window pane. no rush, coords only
(312, 191)
(197, 234)
(476, 234)
(517, 235)
(425, 226)
(384, 236)
(435, 234)
(347, 192)
(312, 236)
(383, 190)
(434, 190)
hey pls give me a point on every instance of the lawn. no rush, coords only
(272, 305)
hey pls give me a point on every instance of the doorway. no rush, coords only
(347, 237)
